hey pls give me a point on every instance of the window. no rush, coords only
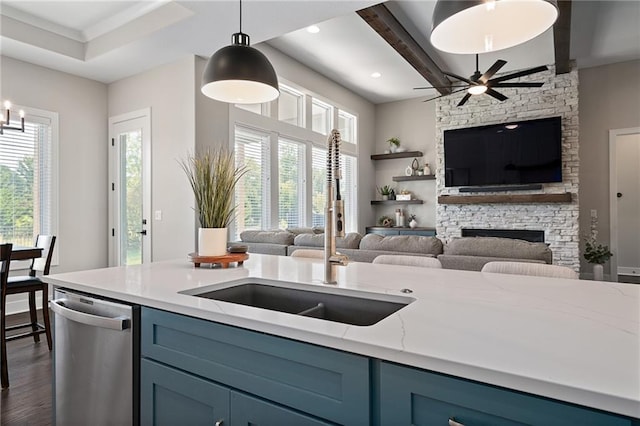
(260, 109)
(319, 184)
(290, 106)
(347, 126)
(291, 188)
(321, 116)
(28, 173)
(252, 192)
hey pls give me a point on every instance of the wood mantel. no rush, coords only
(505, 198)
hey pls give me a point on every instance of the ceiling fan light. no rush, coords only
(477, 90)
(240, 74)
(476, 26)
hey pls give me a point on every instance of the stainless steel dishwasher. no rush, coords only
(95, 360)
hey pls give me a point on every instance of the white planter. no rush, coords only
(212, 241)
(598, 270)
(413, 223)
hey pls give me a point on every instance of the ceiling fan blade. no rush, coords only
(519, 74)
(466, 80)
(499, 96)
(437, 87)
(442, 96)
(491, 71)
(517, 85)
(464, 99)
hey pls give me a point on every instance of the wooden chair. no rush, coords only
(393, 259)
(5, 261)
(534, 269)
(29, 284)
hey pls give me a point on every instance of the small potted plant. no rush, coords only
(394, 144)
(595, 253)
(412, 221)
(385, 191)
(213, 176)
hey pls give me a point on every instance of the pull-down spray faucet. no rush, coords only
(334, 210)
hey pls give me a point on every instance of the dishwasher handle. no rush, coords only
(118, 323)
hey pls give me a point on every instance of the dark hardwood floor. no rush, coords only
(27, 401)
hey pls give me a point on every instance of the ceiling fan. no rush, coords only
(478, 83)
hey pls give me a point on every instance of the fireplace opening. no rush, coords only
(518, 234)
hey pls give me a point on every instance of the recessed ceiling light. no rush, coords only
(376, 75)
(313, 29)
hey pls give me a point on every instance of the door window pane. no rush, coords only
(251, 196)
(319, 184)
(131, 197)
(291, 184)
(321, 116)
(290, 106)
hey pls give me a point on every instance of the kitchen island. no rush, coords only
(567, 340)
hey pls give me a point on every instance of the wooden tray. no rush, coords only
(223, 260)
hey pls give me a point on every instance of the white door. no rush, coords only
(625, 202)
(130, 180)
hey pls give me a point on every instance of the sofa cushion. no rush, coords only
(475, 263)
(402, 243)
(350, 240)
(271, 237)
(498, 247)
(301, 230)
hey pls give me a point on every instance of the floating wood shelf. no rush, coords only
(374, 202)
(406, 178)
(505, 198)
(406, 154)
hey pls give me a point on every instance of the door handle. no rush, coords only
(118, 323)
(143, 232)
(619, 195)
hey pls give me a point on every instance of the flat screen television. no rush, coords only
(523, 152)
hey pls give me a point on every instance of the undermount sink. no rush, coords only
(330, 304)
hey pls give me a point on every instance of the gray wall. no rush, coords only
(609, 99)
(81, 105)
(169, 91)
(413, 122)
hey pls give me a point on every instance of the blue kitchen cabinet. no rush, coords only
(249, 411)
(316, 381)
(409, 396)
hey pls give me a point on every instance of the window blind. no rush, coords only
(252, 192)
(291, 188)
(319, 183)
(26, 183)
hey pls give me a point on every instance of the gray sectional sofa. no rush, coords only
(467, 253)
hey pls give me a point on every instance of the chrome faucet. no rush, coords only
(334, 210)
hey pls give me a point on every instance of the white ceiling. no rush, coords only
(110, 40)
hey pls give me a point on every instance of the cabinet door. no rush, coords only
(421, 233)
(409, 396)
(248, 411)
(170, 397)
(383, 232)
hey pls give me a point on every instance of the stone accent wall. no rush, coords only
(559, 221)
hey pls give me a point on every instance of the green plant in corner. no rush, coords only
(213, 176)
(385, 190)
(394, 142)
(594, 252)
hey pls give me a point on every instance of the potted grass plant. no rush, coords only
(213, 176)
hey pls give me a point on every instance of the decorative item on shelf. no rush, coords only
(385, 191)
(386, 221)
(427, 169)
(408, 171)
(5, 119)
(415, 165)
(394, 144)
(413, 222)
(239, 73)
(213, 177)
(404, 195)
(392, 194)
(595, 253)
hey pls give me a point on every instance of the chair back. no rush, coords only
(309, 253)
(43, 263)
(421, 261)
(533, 269)
(5, 261)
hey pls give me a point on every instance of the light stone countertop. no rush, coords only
(572, 340)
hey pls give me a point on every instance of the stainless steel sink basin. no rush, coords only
(331, 304)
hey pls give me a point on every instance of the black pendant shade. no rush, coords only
(240, 74)
(477, 26)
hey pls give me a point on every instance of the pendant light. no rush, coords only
(239, 73)
(477, 26)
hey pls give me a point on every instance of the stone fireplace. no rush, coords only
(533, 236)
(557, 221)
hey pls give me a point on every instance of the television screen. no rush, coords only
(504, 154)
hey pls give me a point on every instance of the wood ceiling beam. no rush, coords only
(562, 37)
(384, 23)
